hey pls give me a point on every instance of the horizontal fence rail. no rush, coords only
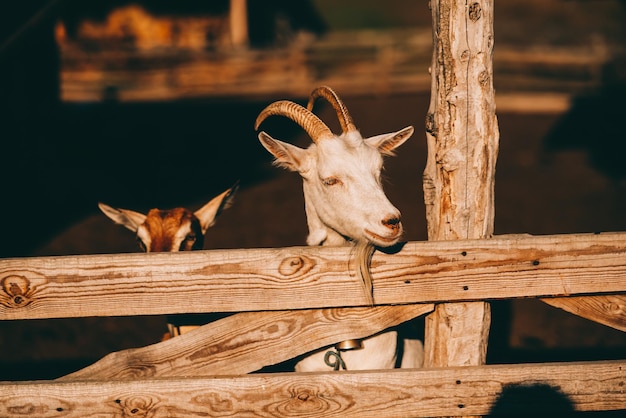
(310, 277)
(190, 375)
(552, 389)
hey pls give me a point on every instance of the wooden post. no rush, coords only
(239, 23)
(462, 135)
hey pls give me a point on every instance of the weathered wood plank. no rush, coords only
(609, 310)
(532, 388)
(310, 277)
(246, 342)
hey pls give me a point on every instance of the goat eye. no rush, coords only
(332, 181)
(141, 244)
(188, 242)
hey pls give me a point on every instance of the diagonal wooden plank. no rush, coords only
(609, 310)
(245, 342)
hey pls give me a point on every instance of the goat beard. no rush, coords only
(364, 251)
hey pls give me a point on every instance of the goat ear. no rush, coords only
(387, 143)
(287, 155)
(208, 213)
(127, 218)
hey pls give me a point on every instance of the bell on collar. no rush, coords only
(349, 345)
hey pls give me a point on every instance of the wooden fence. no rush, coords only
(296, 299)
(292, 300)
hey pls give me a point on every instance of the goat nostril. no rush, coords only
(392, 223)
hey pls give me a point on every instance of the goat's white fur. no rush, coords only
(342, 187)
(344, 200)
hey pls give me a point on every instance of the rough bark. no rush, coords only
(462, 134)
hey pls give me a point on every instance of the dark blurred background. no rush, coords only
(85, 120)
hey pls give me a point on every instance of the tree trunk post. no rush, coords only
(462, 134)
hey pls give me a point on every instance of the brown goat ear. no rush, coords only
(287, 156)
(387, 143)
(128, 218)
(208, 213)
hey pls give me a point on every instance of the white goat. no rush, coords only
(172, 230)
(344, 200)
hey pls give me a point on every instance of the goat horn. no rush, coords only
(345, 120)
(313, 125)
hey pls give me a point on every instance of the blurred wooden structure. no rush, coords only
(383, 62)
(210, 57)
(289, 301)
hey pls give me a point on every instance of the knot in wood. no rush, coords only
(450, 159)
(615, 308)
(17, 290)
(483, 78)
(305, 401)
(475, 11)
(430, 124)
(309, 401)
(137, 371)
(138, 406)
(291, 266)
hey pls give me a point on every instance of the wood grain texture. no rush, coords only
(609, 310)
(457, 331)
(463, 139)
(550, 389)
(310, 277)
(461, 124)
(246, 342)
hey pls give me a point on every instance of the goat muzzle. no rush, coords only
(394, 224)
